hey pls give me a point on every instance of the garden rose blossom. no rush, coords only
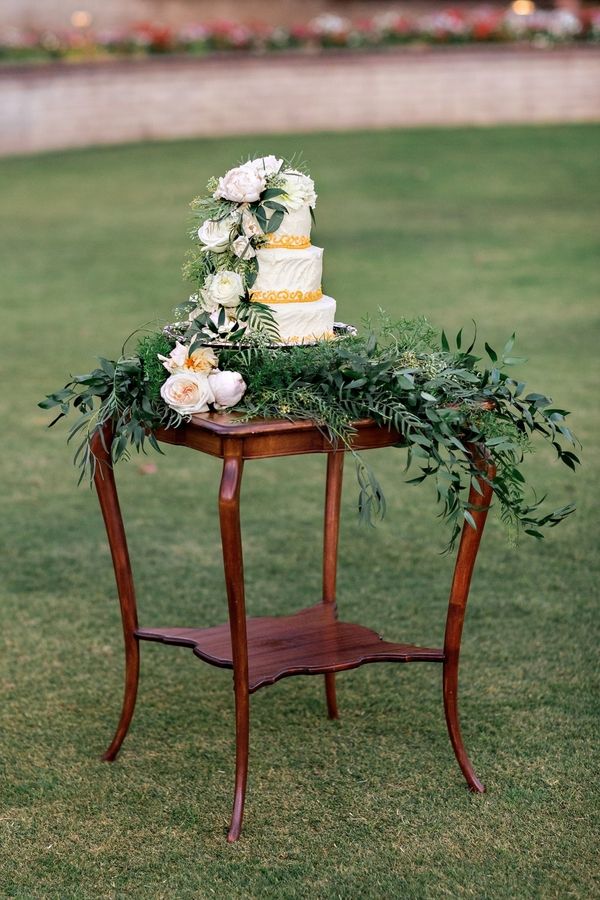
(216, 233)
(180, 360)
(265, 165)
(228, 388)
(243, 248)
(250, 226)
(242, 185)
(202, 360)
(187, 392)
(223, 289)
(298, 190)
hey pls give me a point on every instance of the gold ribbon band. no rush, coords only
(288, 241)
(310, 338)
(286, 296)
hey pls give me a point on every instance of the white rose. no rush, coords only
(298, 189)
(223, 289)
(265, 165)
(216, 233)
(228, 388)
(187, 393)
(243, 248)
(242, 185)
(250, 226)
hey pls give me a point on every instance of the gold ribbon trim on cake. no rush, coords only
(288, 241)
(309, 338)
(286, 296)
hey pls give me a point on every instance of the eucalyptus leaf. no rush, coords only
(274, 222)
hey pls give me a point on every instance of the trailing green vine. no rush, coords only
(402, 374)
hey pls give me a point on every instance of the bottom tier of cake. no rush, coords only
(304, 323)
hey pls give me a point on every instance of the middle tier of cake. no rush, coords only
(288, 276)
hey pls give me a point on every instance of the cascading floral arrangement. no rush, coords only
(241, 212)
(222, 352)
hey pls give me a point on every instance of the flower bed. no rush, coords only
(326, 32)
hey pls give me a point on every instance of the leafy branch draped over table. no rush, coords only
(404, 375)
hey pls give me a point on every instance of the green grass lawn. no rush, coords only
(497, 225)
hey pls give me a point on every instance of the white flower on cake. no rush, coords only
(298, 190)
(250, 226)
(181, 360)
(223, 289)
(215, 234)
(224, 328)
(266, 165)
(187, 393)
(242, 185)
(228, 388)
(243, 248)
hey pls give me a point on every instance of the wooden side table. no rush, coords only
(262, 650)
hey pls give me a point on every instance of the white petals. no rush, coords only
(228, 388)
(242, 185)
(187, 393)
(223, 289)
(215, 234)
(243, 248)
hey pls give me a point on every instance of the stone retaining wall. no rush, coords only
(63, 106)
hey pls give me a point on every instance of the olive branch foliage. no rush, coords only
(402, 374)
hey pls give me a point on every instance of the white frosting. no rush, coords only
(296, 222)
(289, 270)
(298, 322)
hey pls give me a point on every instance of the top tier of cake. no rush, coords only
(289, 267)
(294, 231)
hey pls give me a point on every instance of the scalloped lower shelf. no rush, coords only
(309, 642)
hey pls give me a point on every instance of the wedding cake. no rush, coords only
(289, 278)
(255, 254)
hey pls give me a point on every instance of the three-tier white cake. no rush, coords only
(289, 277)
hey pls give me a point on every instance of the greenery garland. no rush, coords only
(402, 374)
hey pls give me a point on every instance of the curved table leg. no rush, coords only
(333, 495)
(231, 538)
(463, 570)
(109, 503)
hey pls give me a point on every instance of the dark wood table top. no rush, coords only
(222, 433)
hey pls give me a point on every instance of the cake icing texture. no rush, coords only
(281, 269)
(290, 271)
(255, 248)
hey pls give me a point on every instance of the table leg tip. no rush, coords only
(477, 787)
